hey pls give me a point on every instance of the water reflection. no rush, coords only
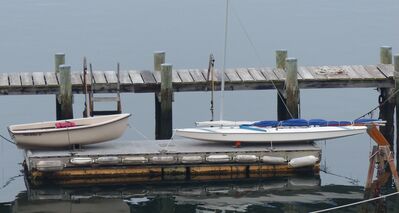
(295, 194)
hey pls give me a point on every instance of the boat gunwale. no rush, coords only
(57, 130)
(205, 131)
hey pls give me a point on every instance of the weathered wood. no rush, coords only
(374, 71)
(318, 72)
(166, 96)
(175, 77)
(280, 73)
(304, 73)
(361, 71)
(337, 72)
(282, 111)
(244, 74)
(4, 80)
(386, 55)
(387, 104)
(159, 59)
(386, 69)
(185, 76)
(157, 76)
(396, 78)
(59, 59)
(291, 87)
(325, 77)
(76, 78)
(99, 77)
(350, 72)
(26, 79)
(197, 76)
(281, 55)
(232, 75)
(125, 78)
(256, 74)
(110, 77)
(51, 79)
(15, 79)
(148, 77)
(65, 96)
(216, 76)
(269, 74)
(38, 79)
(136, 77)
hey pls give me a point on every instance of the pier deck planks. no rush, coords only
(352, 76)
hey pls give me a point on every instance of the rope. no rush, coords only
(379, 105)
(351, 180)
(356, 203)
(167, 145)
(224, 60)
(140, 133)
(6, 139)
(258, 56)
(10, 180)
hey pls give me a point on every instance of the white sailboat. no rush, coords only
(248, 131)
(262, 134)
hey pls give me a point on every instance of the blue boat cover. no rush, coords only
(265, 124)
(311, 122)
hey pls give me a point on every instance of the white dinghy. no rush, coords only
(64, 133)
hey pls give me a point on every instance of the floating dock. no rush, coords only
(166, 160)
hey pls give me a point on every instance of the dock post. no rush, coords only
(166, 96)
(282, 113)
(65, 95)
(388, 108)
(159, 58)
(396, 77)
(291, 87)
(59, 58)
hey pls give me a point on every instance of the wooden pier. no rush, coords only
(190, 80)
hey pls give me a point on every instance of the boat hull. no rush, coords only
(88, 131)
(233, 134)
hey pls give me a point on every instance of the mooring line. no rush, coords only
(6, 139)
(356, 203)
(140, 133)
(259, 58)
(352, 180)
(10, 180)
(379, 105)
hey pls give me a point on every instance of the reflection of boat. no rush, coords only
(272, 131)
(68, 132)
(274, 194)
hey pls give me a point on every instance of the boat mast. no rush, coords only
(224, 60)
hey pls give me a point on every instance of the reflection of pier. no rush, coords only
(296, 193)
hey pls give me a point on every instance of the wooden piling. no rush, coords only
(291, 87)
(396, 77)
(59, 59)
(387, 109)
(166, 96)
(65, 95)
(159, 58)
(282, 113)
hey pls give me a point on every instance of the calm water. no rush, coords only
(317, 32)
